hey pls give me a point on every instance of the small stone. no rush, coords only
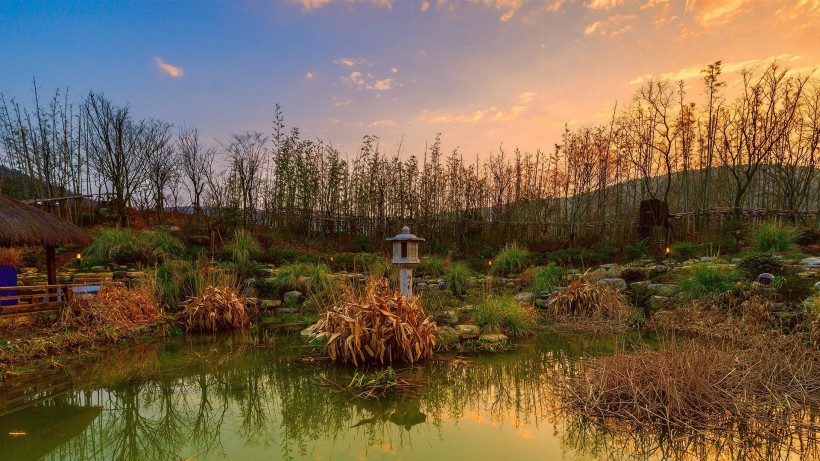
(658, 302)
(608, 267)
(99, 269)
(660, 289)
(619, 284)
(817, 286)
(447, 335)
(265, 272)
(448, 318)
(707, 259)
(292, 298)
(468, 331)
(511, 285)
(286, 310)
(524, 297)
(493, 338)
(735, 260)
(420, 286)
(810, 263)
(639, 286)
(268, 304)
(661, 269)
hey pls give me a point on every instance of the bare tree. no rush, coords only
(195, 161)
(160, 162)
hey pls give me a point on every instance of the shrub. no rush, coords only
(286, 255)
(10, 257)
(380, 326)
(242, 248)
(770, 238)
(703, 280)
(114, 306)
(510, 260)
(177, 280)
(547, 279)
(506, 314)
(591, 301)
(437, 302)
(123, 247)
(431, 266)
(582, 255)
(312, 279)
(688, 250)
(458, 278)
(807, 237)
(214, 310)
(758, 263)
(639, 250)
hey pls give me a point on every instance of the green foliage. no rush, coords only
(602, 251)
(771, 238)
(312, 279)
(510, 260)
(436, 302)
(287, 255)
(176, 280)
(432, 266)
(364, 243)
(242, 248)
(547, 279)
(458, 278)
(639, 250)
(758, 263)
(807, 236)
(689, 250)
(123, 247)
(702, 280)
(505, 313)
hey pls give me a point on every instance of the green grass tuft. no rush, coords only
(703, 280)
(458, 278)
(506, 314)
(547, 279)
(510, 260)
(773, 238)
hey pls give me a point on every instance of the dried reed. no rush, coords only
(114, 306)
(216, 309)
(379, 326)
(599, 306)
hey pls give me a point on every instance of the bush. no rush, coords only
(242, 248)
(311, 279)
(600, 252)
(506, 314)
(380, 327)
(458, 278)
(688, 250)
(758, 263)
(177, 280)
(547, 279)
(771, 238)
(431, 266)
(639, 250)
(214, 310)
(10, 257)
(807, 237)
(122, 246)
(114, 306)
(287, 255)
(510, 260)
(437, 302)
(703, 280)
(591, 301)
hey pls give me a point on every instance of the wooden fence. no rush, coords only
(24, 300)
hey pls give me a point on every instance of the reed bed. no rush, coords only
(768, 388)
(114, 306)
(379, 326)
(214, 310)
(601, 307)
(374, 385)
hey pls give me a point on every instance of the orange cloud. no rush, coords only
(612, 26)
(603, 4)
(382, 123)
(714, 12)
(692, 72)
(172, 71)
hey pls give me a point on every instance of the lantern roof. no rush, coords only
(405, 236)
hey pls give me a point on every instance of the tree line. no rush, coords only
(752, 144)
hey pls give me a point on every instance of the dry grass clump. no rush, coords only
(215, 309)
(767, 388)
(10, 257)
(114, 306)
(379, 326)
(600, 306)
(721, 317)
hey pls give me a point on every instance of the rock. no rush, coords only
(468, 331)
(420, 286)
(99, 269)
(707, 259)
(268, 304)
(494, 338)
(810, 263)
(661, 269)
(573, 271)
(817, 286)
(167, 228)
(433, 285)
(136, 274)
(660, 289)
(27, 270)
(119, 275)
(808, 303)
(608, 267)
(619, 284)
(691, 261)
(448, 318)
(447, 335)
(265, 272)
(308, 331)
(524, 297)
(542, 303)
(285, 310)
(658, 302)
(735, 260)
(639, 286)
(292, 298)
(633, 274)
(467, 310)
(511, 285)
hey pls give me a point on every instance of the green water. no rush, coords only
(215, 398)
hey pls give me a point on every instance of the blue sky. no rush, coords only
(481, 72)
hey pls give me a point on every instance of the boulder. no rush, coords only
(661, 269)
(810, 263)
(660, 289)
(619, 284)
(608, 267)
(658, 302)
(468, 331)
(524, 297)
(817, 286)
(285, 310)
(292, 298)
(707, 259)
(639, 286)
(447, 335)
(493, 338)
(447, 318)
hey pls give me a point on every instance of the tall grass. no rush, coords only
(432, 266)
(510, 260)
(177, 280)
(123, 246)
(703, 280)
(506, 314)
(242, 248)
(458, 278)
(547, 279)
(311, 279)
(592, 302)
(771, 238)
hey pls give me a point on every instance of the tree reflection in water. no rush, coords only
(194, 397)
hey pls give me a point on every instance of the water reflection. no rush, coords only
(217, 398)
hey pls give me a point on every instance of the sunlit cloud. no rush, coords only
(309, 76)
(603, 4)
(492, 114)
(172, 71)
(693, 72)
(424, 6)
(612, 26)
(714, 12)
(525, 97)
(382, 123)
(508, 8)
(310, 5)
(349, 62)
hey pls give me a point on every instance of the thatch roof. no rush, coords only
(22, 224)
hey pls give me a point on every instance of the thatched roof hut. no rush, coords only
(22, 224)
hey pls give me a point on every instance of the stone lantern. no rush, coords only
(406, 255)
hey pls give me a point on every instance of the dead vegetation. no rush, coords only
(216, 309)
(602, 308)
(767, 388)
(374, 384)
(379, 326)
(114, 306)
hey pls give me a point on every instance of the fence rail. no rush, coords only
(29, 299)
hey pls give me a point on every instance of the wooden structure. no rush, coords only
(41, 298)
(406, 255)
(25, 225)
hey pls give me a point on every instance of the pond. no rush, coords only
(220, 397)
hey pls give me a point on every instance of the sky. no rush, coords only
(483, 73)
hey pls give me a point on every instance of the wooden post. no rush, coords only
(51, 268)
